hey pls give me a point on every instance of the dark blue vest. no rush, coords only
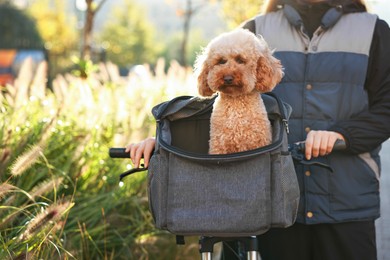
(324, 83)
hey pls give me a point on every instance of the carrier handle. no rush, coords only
(297, 151)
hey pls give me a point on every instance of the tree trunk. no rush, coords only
(186, 29)
(87, 36)
(88, 28)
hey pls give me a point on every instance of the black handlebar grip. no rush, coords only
(339, 145)
(119, 153)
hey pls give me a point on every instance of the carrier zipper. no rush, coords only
(285, 123)
(222, 157)
(233, 156)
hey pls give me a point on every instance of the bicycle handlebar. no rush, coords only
(300, 147)
(119, 153)
(297, 150)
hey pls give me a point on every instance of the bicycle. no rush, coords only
(249, 250)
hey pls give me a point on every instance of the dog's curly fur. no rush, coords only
(238, 66)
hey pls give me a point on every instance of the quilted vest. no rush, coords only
(324, 83)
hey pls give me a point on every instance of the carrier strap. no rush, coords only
(299, 158)
(131, 171)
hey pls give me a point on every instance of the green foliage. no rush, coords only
(55, 25)
(59, 193)
(84, 68)
(172, 49)
(128, 36)
(18, 29)
(58, 30)
(238, 11)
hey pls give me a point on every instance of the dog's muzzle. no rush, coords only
(228, 79)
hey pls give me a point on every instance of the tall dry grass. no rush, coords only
(59, 193)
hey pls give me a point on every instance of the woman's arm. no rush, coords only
(369, 129)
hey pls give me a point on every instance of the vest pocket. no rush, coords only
(158, 188)
(285, 194)
(353, 184)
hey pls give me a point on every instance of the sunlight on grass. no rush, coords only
(59, 194)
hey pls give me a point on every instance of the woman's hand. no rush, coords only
(142, 149)
(320, 143)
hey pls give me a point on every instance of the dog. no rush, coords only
(238, 65)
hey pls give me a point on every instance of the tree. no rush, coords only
(92, 8)
(54, 24)
(187, 12)
(237, 11)
(58, 31)
(173, 46)
(128, 36)
(18, 29)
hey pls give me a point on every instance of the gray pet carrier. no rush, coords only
(239, 194)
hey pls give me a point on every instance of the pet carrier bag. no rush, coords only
(238, 194)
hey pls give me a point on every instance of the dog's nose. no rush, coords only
(228, 79)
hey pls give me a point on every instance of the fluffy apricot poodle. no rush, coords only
(238, 65)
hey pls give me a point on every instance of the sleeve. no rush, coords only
(371, 128)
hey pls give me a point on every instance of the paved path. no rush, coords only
(383, 223)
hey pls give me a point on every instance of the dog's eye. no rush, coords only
(240, 60)
(221, 61)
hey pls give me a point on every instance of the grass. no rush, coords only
(59, 191)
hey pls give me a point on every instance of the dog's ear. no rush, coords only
(269, 72)
(201, 71)
(203, 86)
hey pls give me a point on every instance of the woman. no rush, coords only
(337, 80)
